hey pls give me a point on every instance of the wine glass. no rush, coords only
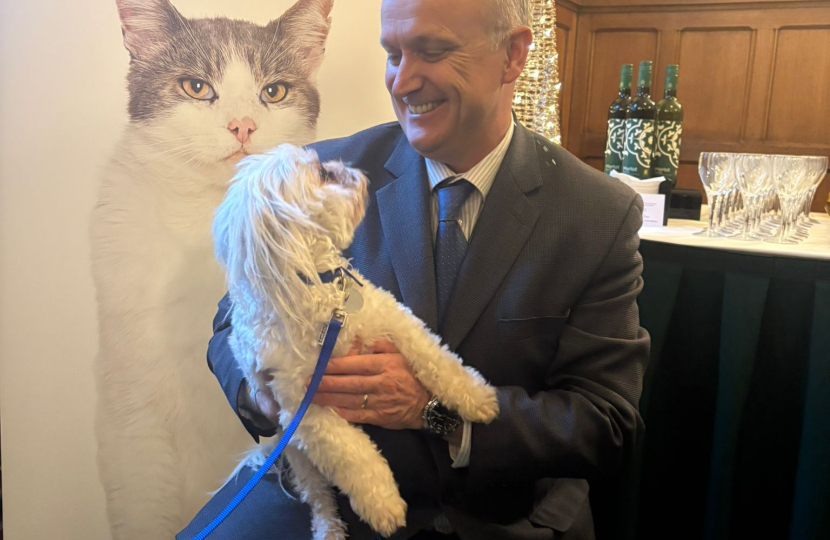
(818, 169)
(789, 174)
(753, 175)
(716, 175)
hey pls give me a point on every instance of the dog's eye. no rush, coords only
(325, 175)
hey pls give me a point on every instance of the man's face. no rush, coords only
(443, 77)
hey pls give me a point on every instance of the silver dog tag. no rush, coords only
(353, 302)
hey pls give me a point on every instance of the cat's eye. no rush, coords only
(274, 93)
(198, 89)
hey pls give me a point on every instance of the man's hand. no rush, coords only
(396, 398)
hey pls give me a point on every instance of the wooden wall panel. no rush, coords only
(562, 48)
(717, 64)
(754, 75)
(800, 87)
(566, 16)
(668, 4)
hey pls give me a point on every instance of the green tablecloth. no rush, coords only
(736, 399)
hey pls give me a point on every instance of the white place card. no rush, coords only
(654, 206)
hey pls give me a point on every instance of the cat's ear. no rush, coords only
(304, 28)
(146, 24)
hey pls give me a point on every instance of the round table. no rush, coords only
(736, 397)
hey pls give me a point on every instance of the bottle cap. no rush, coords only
(626, 72)
(671, 77)
(645, 74)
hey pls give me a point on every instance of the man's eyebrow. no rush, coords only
(433, 41)
(420, 42)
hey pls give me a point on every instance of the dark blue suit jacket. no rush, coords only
(544, 307)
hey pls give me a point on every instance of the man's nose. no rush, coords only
(407, 79)
(242, 129)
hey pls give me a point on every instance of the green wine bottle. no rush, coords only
(615, 136)
(639, 128)
(669, 128)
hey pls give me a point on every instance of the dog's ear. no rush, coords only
(261, 234)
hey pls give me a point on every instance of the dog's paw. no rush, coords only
(338, 534)
(482, 407)
(323, 529)
(384, 514)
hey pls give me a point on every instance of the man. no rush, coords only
(543, 304)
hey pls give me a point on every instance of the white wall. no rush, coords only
(62, 105)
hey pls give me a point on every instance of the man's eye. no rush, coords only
(431, 56)
(393, 59)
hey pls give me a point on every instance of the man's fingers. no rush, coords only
(355, 365)
(347, 384)
(384, 346)
(345, 401)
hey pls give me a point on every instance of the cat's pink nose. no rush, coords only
(242, 129)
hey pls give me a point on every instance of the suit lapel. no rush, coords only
(405, 216)
(502, 229)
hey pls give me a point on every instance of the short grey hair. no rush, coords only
(504, 16)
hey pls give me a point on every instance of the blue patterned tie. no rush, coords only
(450, 243)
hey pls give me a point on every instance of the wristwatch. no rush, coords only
(438, 419)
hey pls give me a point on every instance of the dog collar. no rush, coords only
(352, 301)
(333, 276)
(330, 276)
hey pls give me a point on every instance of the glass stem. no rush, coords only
(757, 213)
(785, 221)
(713, 210)
(747, 217)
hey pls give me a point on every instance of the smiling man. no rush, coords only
(520, 256)
(450, 80)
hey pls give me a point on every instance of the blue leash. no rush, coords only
(338, 318)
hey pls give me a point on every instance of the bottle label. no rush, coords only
(614, 145)
(639, 145)
(667, 149)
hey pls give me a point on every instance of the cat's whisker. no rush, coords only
(161, 141)
(161, 157)
(191, 158)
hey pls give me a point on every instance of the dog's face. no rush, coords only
(285, 210)
(344, 192)
(283, 216)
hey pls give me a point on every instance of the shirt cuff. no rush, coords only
(461, 455)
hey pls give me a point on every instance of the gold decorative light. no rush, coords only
(536, 99)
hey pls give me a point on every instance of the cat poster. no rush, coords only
(203, 93)
(135, 112)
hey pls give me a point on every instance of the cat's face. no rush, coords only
(209, 91)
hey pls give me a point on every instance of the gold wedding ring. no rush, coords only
(365, 401)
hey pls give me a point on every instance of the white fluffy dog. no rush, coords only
(284, 221)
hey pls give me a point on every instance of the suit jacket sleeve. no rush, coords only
(586, 420)
(223, 365)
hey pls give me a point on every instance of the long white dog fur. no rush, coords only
(285, 219)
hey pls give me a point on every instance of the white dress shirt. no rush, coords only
(481, 176)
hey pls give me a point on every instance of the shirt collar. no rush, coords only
(481, 175)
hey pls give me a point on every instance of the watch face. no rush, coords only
(441, 420)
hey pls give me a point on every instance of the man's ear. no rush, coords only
(518, 46)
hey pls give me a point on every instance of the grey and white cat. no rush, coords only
(202, 94)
